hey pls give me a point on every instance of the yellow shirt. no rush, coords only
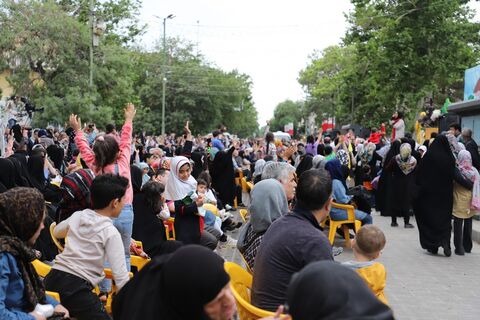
(376, 277)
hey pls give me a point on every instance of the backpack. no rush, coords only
(75, 193)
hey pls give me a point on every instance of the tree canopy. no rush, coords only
(48, 54)
(394, 54)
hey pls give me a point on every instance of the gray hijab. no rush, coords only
(269, 203)
(318, 162)
(259, 164)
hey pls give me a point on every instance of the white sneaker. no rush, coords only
(228, 207)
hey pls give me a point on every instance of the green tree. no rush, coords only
(394, 54)
(286, 112)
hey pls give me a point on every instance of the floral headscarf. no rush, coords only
(466, 168)
(404, 160)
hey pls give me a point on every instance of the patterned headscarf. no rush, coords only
(21, 213)
(368, 152)
(467, 170)
(404, 160)
(342, 155)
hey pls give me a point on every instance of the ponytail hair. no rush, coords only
(106, 150)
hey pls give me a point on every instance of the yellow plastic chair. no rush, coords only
(138, 262)
(335, 224)
(243, 214)
(212, 208)
(54, 239)
(109, 275)
(170, 228)
(241, 285)
(53, 295)
(42, 270)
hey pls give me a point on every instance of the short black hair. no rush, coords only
(433, 135)
(216, 133)
(148, 156)
(268, 158)
(328, 150)
(314, 189)
(107, 187)
(455, 126)
(109, 128)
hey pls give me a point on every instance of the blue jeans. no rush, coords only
(124, 225)
(340, 214)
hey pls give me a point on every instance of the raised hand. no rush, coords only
(75, 122)
(130, 112)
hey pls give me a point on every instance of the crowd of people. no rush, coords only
(104, 189)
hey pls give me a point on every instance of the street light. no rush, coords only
(164, 79)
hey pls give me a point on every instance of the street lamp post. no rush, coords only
(164, 75)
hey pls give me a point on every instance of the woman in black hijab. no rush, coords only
(326, 290)
(198, 163)
(189, 284)
(434, 202)
(7, 174)
(223, 176)
(305, 164)
(383, 195)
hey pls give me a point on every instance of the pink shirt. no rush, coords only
(123, 160)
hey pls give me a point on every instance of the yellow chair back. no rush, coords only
(243, 214)
(335, 224)
(54, 239)
(241, 285)
(212, 208)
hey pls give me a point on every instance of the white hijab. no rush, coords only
(177, 189)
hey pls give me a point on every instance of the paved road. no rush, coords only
(420, 286)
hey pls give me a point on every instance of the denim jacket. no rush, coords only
(12, 287)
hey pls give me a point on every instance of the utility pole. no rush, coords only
(164, 74)
(90, 20)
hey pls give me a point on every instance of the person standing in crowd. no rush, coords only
(398, 131)
(293, 241)
(384, 193)
(466, 176)
(402, 167)
(434, 202)
(217, 140)
(270, 148)
(456, 130)
(108, 156)
(472, 147)
(223, 177)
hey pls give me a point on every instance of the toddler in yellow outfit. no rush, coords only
(367, 246)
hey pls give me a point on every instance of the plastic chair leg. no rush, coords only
(331, 232)
(346, 233)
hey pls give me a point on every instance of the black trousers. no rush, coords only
(76, 295)
(462, 234)
(401, 213)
